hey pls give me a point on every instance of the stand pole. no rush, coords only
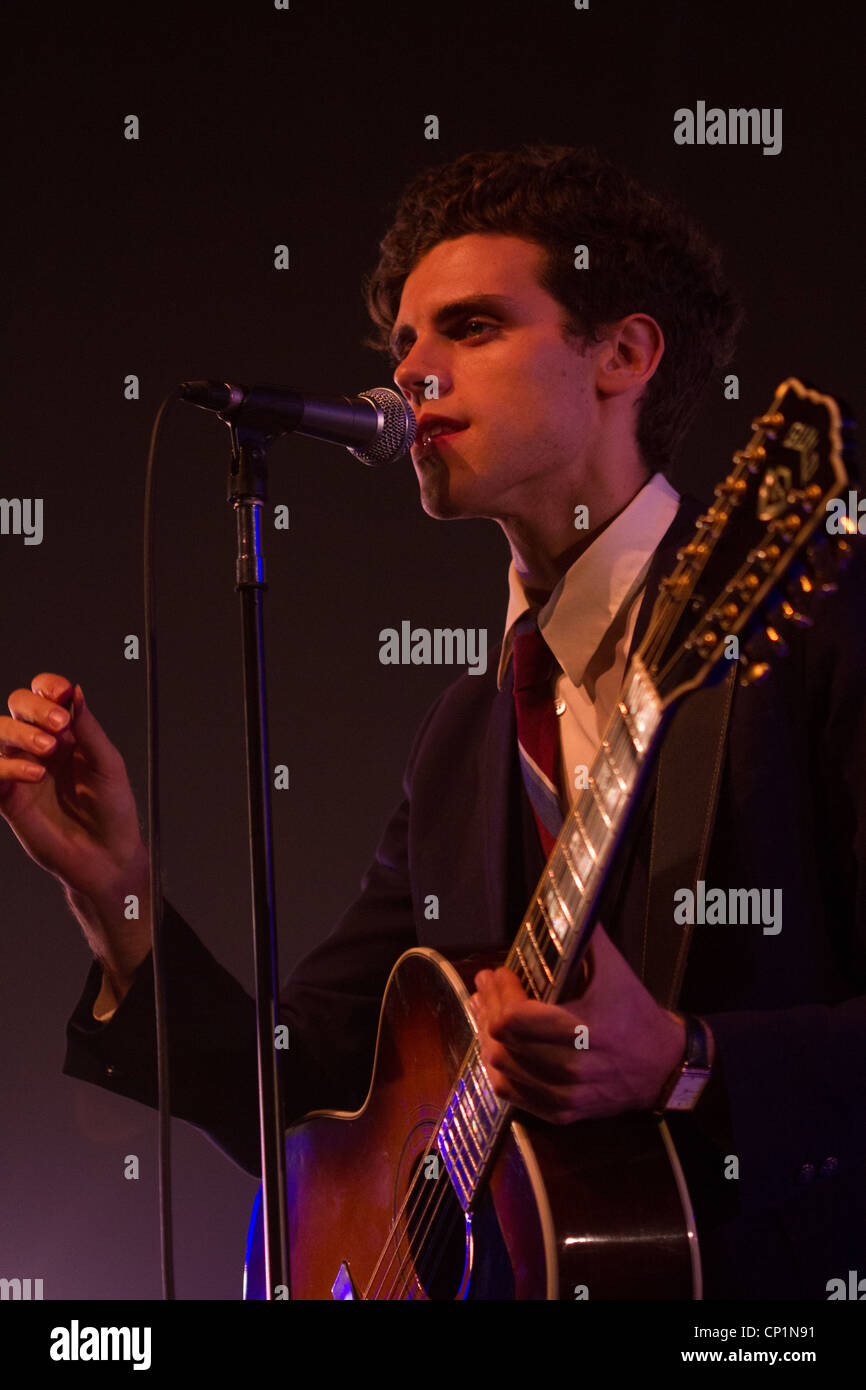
(247, 491)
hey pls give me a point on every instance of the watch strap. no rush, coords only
(684, 1086)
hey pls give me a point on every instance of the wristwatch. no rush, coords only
(684, 1086)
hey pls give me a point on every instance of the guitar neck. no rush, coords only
(556, 928)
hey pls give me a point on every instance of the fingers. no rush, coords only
(513, 1018)
(33, 730)
(521, 1038)
(54, 688)
(92, 739)
(39, 712)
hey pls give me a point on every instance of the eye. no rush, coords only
(468, 324)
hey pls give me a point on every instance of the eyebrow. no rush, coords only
(404, 333)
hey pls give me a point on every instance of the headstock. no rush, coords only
(767, 525)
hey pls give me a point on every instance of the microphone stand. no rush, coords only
(247, 491)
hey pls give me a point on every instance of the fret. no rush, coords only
(608, 756)
(456, 1170)
(519, 965)
(594, 827)
(453, 1119)
(482, 1086)
(632, 732)
(623, 755)
(557, 919)
(468, 1115)
(490, 1115)
(555, 931)
(542, 962)
(562, 908)
(567, 889)
(467, 1161)
(602, 775)
(599, 801)
(582, 854)
(564, 851)
(610, 780)
(530, 977)
(644, 707)
(482, 1129)
(581, 825)
(548, 943)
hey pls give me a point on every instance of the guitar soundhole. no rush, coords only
(438, 1236)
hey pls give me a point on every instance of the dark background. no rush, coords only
(155, 257)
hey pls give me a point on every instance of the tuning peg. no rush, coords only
(789, 614)
(799, 586)
(755, 673)
(731, 487)
(752, 458)
(779, 643)
(769, 421)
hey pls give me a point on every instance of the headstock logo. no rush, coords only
(803, 438)
(773, 493)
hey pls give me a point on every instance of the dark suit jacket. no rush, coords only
(787, 1096)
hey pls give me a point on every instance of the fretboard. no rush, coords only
(556, 928)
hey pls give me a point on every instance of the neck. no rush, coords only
(542, 557)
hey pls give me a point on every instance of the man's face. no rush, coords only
(474, 317)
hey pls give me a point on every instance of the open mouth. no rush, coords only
(432, 438)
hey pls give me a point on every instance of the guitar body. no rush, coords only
(597, 1209)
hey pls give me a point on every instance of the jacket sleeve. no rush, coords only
(330, 1004)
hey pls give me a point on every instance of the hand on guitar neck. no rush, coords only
(530, 1053)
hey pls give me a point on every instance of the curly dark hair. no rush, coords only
(646, 255)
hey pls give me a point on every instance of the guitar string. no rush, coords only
(395, 1236)
(411, 1190)
(410, 1263)
(400, 1230)
(407, 1266)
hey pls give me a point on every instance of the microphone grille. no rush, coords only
(398, 428)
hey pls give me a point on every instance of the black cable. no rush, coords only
(156, 905)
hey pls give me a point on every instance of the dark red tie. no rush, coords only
(535, 669)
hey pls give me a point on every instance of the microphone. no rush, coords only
(376, 426)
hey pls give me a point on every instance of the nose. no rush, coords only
(422, 375)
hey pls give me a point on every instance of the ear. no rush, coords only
(629, 355)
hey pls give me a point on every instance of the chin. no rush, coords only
(440, 498)
(440, 506)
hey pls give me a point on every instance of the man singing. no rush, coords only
(553, 326)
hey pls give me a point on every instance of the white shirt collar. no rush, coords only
(587, 599)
